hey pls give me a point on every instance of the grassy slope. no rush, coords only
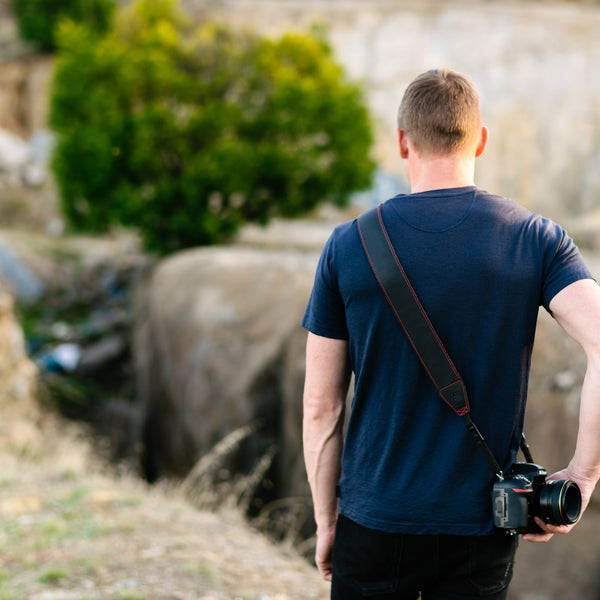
(70, 532)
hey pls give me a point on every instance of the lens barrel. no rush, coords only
(560, 502)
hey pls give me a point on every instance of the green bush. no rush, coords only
(38, 19)
(186, 132)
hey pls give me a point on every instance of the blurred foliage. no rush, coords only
(38, 19)
(186, 131)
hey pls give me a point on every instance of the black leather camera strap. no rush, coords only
(416, 324)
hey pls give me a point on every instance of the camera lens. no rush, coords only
(560, 502)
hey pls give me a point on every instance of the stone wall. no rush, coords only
(535, 64)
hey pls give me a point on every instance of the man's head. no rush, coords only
(440, 114)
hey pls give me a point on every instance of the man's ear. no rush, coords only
(403, 143)
(482, 142)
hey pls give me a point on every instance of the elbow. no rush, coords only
(323, 412)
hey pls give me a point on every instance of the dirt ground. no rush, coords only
(70, 531)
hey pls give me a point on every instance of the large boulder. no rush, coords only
(219, 346)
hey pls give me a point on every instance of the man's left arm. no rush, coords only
(326, 386)
(577, 309)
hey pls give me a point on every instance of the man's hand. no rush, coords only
(323, 553)
(547, 531)
(586, 486)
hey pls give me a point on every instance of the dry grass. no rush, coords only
(70, 531)
(209, 486)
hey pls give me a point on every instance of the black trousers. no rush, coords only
(387, 566)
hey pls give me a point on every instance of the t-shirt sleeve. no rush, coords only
(325, 314)
(563, 263)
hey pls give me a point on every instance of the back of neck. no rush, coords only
(438, 173)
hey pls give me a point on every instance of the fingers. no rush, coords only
(538, 538)
(547, 531)
(325, 571)
(324, 566)
(323, 554)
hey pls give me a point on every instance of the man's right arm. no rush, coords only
(326, 386)
(577, 309)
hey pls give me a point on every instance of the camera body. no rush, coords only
(524, 494)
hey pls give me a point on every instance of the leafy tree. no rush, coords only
(187, 132)
(38, 19)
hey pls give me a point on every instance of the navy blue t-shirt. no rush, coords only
(482, 266)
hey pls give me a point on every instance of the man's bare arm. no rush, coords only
(577, 309)
(325, 389)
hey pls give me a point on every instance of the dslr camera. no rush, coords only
(525, 493)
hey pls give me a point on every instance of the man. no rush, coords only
(407, 509)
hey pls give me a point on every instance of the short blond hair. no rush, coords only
(440, 113)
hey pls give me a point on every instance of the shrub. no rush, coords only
(38, 19)
(187, 132)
